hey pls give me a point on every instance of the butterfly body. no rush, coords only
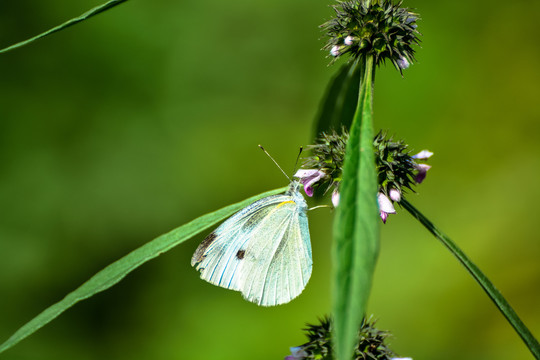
(263, 251)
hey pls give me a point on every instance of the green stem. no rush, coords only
(494, 294)
(86, 15)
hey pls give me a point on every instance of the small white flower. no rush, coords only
(335, 197)
(297, 353)
(348, 40)
(335, 51)
(395, 195)
(385, 206)
(423, 155)
(403, 63)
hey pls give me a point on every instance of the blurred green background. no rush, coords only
(121, 128)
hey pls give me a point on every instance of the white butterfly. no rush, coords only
(263, 250)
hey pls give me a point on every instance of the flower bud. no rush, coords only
(423, 155)
(335, 197)
(395, 195)
(403, 63)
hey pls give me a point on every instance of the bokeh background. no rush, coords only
(126, 126)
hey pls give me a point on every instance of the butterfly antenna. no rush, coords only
(275, 162)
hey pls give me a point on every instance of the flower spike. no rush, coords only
(371, 343)
(397, 171)
(380, 29)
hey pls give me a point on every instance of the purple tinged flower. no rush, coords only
(403, 63)
(308, 178)
(423, 155)
(410, 19)
(335, 197)
(384, 216)
(422, 172)
(297, 353)
(385, 206)
(395, 194)
(348, 40)
(334, 51)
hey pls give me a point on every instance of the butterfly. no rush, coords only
(263, 251)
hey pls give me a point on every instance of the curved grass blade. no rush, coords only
(494, 294)
(115, 272)
(339, 102)
(85, 16)
(356, 228)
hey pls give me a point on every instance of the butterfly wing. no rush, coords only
(279, 261)
(262, 251)
(217, 256)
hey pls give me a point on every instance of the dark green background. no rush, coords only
(121, 128)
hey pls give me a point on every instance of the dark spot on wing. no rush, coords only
(240, 254)
(198, 255)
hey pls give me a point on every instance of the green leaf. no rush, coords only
(116, 271)
(494, 294)
(86, 15)
(339, 102)
(356, 228)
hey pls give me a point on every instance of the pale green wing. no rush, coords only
(263, 251)
(278, 259)
(217, 257)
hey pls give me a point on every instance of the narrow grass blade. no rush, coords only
(339, 102)
(115, 272)
(85, 16)
(356, 228)
(494, 294)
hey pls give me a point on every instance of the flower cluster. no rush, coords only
(378, 28)
(326, 164)
(397, 170)
(370, 343)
